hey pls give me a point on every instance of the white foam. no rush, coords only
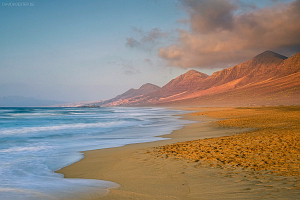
(60, 127)
(18, 190)
(34, 114)
(35, 194)
(28, 162)
(19, 149)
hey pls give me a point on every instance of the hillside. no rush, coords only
(267, 79)
(122, 98)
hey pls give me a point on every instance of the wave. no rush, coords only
(34, 114)
(19, 149)
(26, 191)
(61, 127)
(34, 144)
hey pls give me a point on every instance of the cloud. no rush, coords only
(146, 39)
(148, 61)
(130, 70)
(220, 35)
(210, 15)
(153, 35)
(131, 42)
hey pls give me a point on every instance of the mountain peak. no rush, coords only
(184, 82)
(269, 56)
(252, 82)
(149, 86)
(193, 72)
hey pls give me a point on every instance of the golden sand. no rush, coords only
(164, 176)
(273, 145)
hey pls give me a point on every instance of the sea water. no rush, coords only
(34, 142)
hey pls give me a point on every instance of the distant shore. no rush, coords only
(161, 170)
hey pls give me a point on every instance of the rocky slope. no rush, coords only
(123, 98)
(267, 79)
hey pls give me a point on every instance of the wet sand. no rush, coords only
(154, 171)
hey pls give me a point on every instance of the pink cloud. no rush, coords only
(220, 37)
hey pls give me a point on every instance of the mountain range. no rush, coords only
(267, 79)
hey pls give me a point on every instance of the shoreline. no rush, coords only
(143, 174)
(110, 156)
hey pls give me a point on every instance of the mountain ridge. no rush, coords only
(144, 89)
(267, 71)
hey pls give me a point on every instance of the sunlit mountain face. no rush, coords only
(267, 79)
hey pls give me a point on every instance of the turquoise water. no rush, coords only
(34, 142)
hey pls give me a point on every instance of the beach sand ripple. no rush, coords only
(273, 146)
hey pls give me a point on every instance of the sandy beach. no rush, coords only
(189, 166)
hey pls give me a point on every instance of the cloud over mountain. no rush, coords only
(146, 39)
(267, 79)
(225, 32)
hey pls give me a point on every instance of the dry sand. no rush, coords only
(158, 170)
(274, 145)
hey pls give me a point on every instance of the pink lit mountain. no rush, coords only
(267, 79)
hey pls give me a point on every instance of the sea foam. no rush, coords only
(34, 142)
(60, 127)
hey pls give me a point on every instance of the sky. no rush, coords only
(76, 50)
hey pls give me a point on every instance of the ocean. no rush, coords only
(35, 142)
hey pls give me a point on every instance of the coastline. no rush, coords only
(144, 175)
(110, 157)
